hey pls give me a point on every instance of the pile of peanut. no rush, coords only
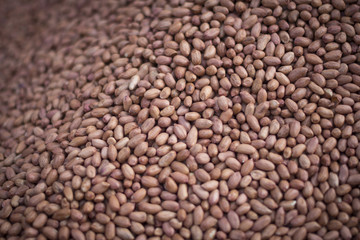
(180, 119)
